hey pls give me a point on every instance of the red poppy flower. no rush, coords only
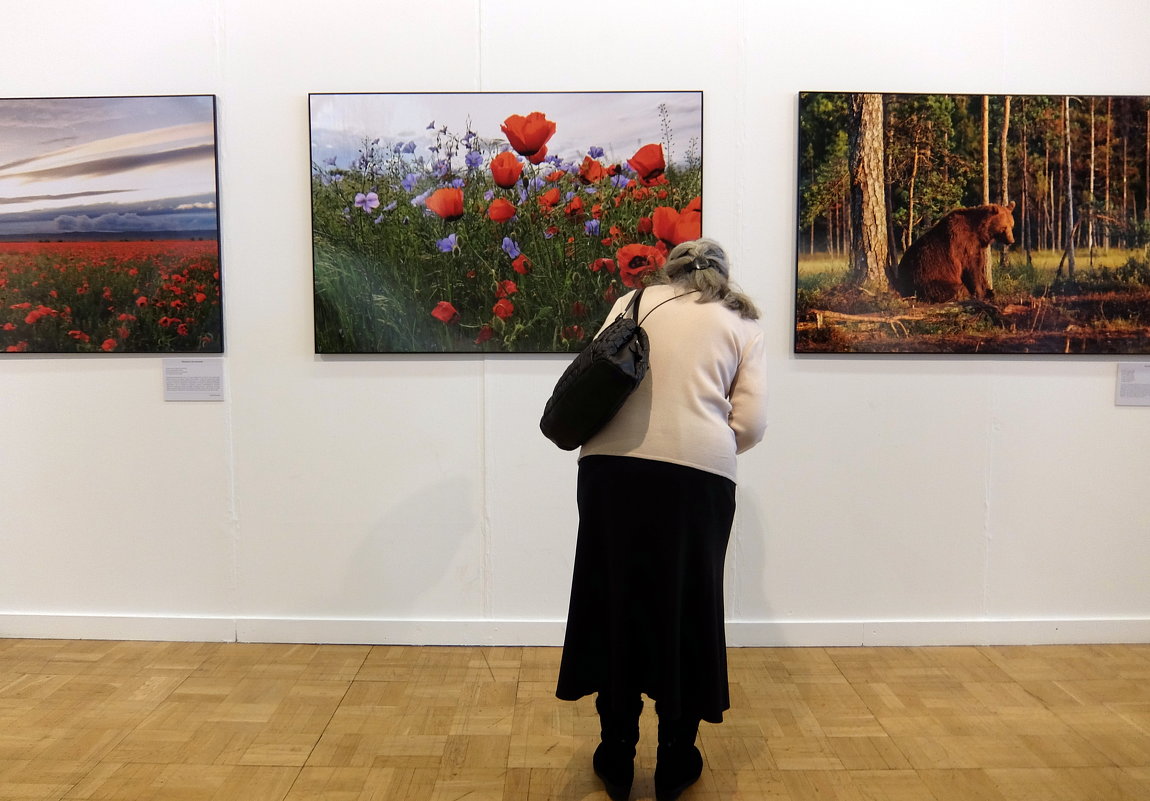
(592, 171)
(445, 312)
(109, 345)
(506, 169)
(602, 264)
(485, 333)
(503, 309)
(501, 210)
(575, 207)
(522, 264)
(696, 204)
(555, 176)
(447, 203)
(141, 301)
(505, 289)
(528, 135)
(675, 227)
(648, 162)
(538, 157)
(645, 225)
(573, 333)
(579, 309)
(549, 198)
(635, 261)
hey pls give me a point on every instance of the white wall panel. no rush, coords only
(411, 498)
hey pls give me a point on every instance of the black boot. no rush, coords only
(679, 763)
(614, 759)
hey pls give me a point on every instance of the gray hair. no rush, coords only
(702, 265)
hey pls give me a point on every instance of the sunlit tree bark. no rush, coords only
(870, 256)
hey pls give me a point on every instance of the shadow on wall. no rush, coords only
(747, 561)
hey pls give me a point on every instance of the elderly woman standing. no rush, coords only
(656, 497)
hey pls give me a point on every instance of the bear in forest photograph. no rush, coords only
(952, 255)
(972, 224)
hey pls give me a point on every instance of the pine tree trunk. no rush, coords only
(1025, 229)
(985, 149)
(1106, 148)
(1091, 234)
(989, 278)
(869, 255)
(909, 237)
(1005, 177)
(1069, 233)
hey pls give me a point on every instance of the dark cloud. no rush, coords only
(105, 222)
(18, 162)
(136, 223)
(169, 205)
(70, 196)
(118, 164)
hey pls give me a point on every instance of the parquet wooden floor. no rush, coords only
(113, 721)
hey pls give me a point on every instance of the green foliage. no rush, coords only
(1134, 271)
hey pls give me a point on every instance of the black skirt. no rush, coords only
(646, 610)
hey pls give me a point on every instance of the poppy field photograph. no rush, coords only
(973, 224)
(493, 222)
(109, 227)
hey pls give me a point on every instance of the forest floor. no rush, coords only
(1097, 314)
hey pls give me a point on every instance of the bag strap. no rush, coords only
(633, 306)
(657, 305)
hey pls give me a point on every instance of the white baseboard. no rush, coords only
(936, 632)
(117, 627)
(741, 633)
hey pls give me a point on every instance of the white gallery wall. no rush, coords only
(411, 499)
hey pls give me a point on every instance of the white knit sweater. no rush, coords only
(704, 397)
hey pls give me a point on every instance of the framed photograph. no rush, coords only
(998, 224)
(109, 226)
(493, 222)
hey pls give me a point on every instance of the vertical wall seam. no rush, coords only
(488, 579)
(741, 103)
(479, 44)
(988, 500)
(232, 522)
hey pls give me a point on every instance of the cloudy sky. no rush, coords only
(618, 122)
(132, 165)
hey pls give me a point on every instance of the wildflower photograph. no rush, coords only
(493, 222)
(109, 228)
(996, 224)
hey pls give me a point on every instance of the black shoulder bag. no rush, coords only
(599, 380)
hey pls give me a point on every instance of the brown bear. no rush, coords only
(952, 255)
